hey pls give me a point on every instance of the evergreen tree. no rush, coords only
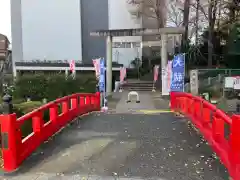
(234, 40)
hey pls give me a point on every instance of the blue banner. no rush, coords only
(102, 76)
(178, 73)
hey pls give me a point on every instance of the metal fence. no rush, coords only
(215, 77)
(212, 78)
(212, 82)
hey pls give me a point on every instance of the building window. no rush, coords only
(126, 44)
(117, 45)
(136, 44)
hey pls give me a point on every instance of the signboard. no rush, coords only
(232, 82)
(228, 82)
(178, 73)
(236, 84)
(194, 84)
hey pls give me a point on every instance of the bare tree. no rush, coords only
(209, 11)
(230, 14)
(212, 10)
(185, 23)
(220, 15)
(192, 17)
(196, 22)
(151, 9)
(174, 14)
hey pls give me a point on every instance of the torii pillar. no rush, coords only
(109, 65)
(164, 61)
(164, 54)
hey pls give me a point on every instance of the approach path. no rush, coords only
(133, 141)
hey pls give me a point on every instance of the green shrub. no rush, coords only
(51, 87)
(214, 90)
(40, 86)
(24, 108)
(31, 86)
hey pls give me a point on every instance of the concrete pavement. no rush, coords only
(125, 145)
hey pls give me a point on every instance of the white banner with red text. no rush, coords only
(166, 79)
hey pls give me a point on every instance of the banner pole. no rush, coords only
(101, 99)
(120, 80)
(104, 95)
(104, 90)
(184, 73)
(153, 87)
(104, 87)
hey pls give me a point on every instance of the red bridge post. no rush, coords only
(97, 102)
(172, 101)
(234, 153)
(14, 151)
(82, 104)
(9, 141)
(9, 135)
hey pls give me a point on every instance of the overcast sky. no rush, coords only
(5, 18)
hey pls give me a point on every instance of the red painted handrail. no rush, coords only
(211, 122)
(16, 149)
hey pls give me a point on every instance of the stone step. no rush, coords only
(138, 89)
(137, 85)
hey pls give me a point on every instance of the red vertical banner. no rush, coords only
(72, 66)
(123, 73)
(155, 73)
(169, 74)
(96, 64)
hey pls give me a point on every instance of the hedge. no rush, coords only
(40, 86)
(51, 87)
(24, 108)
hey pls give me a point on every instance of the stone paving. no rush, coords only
(145, 103)
(124, 145)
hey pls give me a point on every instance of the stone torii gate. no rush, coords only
(109, 34)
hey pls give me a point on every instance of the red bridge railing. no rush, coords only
(16, 149)
(221, 131)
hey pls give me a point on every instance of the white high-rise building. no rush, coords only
(125, 49)
(60, 30)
